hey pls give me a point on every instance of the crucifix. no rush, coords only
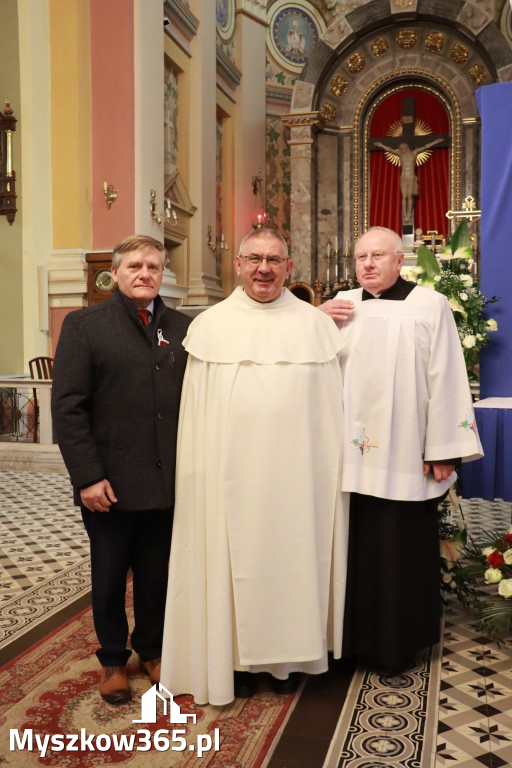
(407, 147)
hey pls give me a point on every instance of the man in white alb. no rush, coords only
(258, 560)
(408, 421)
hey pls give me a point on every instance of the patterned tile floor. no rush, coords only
(453, 708)
(44, 553)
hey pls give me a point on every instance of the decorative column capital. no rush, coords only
(303, 126)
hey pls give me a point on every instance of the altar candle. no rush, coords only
(8, 164)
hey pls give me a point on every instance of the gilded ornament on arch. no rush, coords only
(407, 38)
(328, 111)
(478, 74)
(434, 42)
(379, 46)
(338, 85)
(356, 62)
(459, 53)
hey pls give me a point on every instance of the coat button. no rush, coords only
(159, 464)
(159, 416)
(156, 367)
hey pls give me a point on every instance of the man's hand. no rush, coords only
(440, 471)
(98, 497)
(339, 309)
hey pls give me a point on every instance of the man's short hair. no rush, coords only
(136, 243)
(268, 234)
(398, 240)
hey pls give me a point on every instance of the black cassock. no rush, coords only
(393, 606)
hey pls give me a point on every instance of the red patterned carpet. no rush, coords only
(51, 689)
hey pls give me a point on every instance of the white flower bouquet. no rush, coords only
(487, 568)
(452, 277)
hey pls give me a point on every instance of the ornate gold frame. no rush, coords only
(452, 106)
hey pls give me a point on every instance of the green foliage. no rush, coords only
(452, 277)
(459, 244)
(428, 262)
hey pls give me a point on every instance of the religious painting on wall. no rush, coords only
(225, 13)
(293, 33)
(506, 22)
(409, 175)
(278, 172)
(226, 18)
(171, 114)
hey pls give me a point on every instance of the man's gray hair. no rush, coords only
(267, 234)
(136, 243)
(398, 240)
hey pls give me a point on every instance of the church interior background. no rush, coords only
(187, 120)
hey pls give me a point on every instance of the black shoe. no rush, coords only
(287, 686)
(245, 685)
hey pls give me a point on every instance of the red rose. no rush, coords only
(508, 538)
(496, 558)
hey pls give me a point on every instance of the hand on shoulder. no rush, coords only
(339, 310)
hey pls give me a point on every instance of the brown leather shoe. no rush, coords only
(151, 668)
(114, 688)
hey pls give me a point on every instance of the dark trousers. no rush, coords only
(120, 541)
(393, 604)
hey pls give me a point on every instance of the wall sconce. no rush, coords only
(216, 247)
(259, 215)
(110, 193)
(169, 214)
(7, 175)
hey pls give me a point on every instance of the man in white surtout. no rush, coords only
(257, 568)
(408, 421)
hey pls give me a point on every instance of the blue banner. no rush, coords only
(495, 106)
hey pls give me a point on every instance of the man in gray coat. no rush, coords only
(117, 380)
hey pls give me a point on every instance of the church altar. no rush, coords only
(490, 478)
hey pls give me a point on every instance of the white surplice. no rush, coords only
(258, 557)
(406, 395)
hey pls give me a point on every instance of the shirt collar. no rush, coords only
(397, 292)
(150, 307)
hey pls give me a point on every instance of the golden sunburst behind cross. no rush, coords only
(421, 128)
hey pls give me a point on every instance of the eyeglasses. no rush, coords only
(377, 256)
(272, 261)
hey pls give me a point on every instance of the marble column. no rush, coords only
(302, 221)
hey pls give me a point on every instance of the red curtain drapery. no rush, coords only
(433, 176)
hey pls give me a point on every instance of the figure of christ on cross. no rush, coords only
(407, 147)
